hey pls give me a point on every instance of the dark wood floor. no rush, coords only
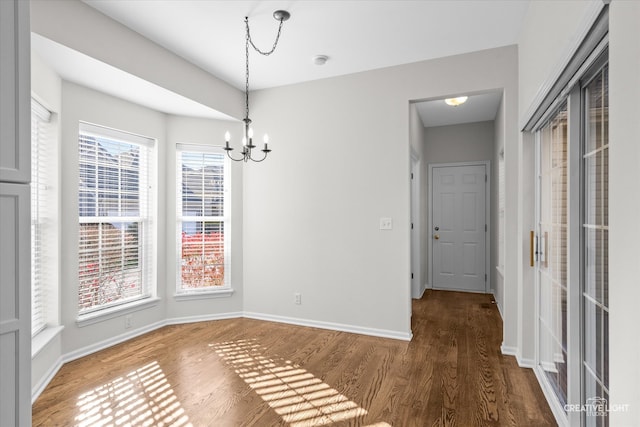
(245, 372)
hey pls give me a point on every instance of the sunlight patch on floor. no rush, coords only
(301, 399)
(143, 397)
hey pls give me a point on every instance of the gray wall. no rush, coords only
(342, 162)
(459, 143)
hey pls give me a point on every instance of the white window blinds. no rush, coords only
(203, 219)
(115, 205)
(41, 205)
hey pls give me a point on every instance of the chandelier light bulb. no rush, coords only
(266, 138)
(250, 133)
(227, 136)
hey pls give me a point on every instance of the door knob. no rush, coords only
(436, 236)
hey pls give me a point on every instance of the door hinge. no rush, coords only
(485, 178)
(485, 277)
(412, 275)
(411, 175)
(412, 226)
(485, 228)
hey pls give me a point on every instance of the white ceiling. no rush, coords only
(478, 108)
(356, 35)
(79, 68)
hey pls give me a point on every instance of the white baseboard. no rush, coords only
(508, 350)
(384, 333)
(424, 289)
(524, 362)
(37, 390)
(493, 292)
(513, 351)
(85, 351)
(549, 367)
(203, 318)
(102, 345)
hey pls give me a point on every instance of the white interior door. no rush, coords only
(459, 227)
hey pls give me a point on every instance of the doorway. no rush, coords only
(458, 221)
(417, 288)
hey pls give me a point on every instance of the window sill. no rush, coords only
(193, 295)
(43, 338)
(112, 312)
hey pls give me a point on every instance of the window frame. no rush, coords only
(226, 218)
(147, 200)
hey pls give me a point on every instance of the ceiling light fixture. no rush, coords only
(454, 102)
(247, 139)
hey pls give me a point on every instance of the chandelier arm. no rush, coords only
(262, 159)
(275, 43)
(235, 160)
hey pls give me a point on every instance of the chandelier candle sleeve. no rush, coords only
(227, 137)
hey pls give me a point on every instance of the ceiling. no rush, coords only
(356, 35)
(477, 108)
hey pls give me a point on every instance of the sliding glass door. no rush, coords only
(552, 252)
(571, 250)
(595, 301)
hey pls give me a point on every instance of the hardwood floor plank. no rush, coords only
(245, 372)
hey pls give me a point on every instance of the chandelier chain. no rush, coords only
(247, 140)
(275, 43)
(265, 53)
(246, 87)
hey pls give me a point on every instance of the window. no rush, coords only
(42, 224)
(115, 218)
(203, 220)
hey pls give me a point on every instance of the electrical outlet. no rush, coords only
(127, 321)
(386, 224)
(298, 298)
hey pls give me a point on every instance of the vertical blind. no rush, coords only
(114, 207)
(41, 149)
(202, 219)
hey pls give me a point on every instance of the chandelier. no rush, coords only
(247, 139)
